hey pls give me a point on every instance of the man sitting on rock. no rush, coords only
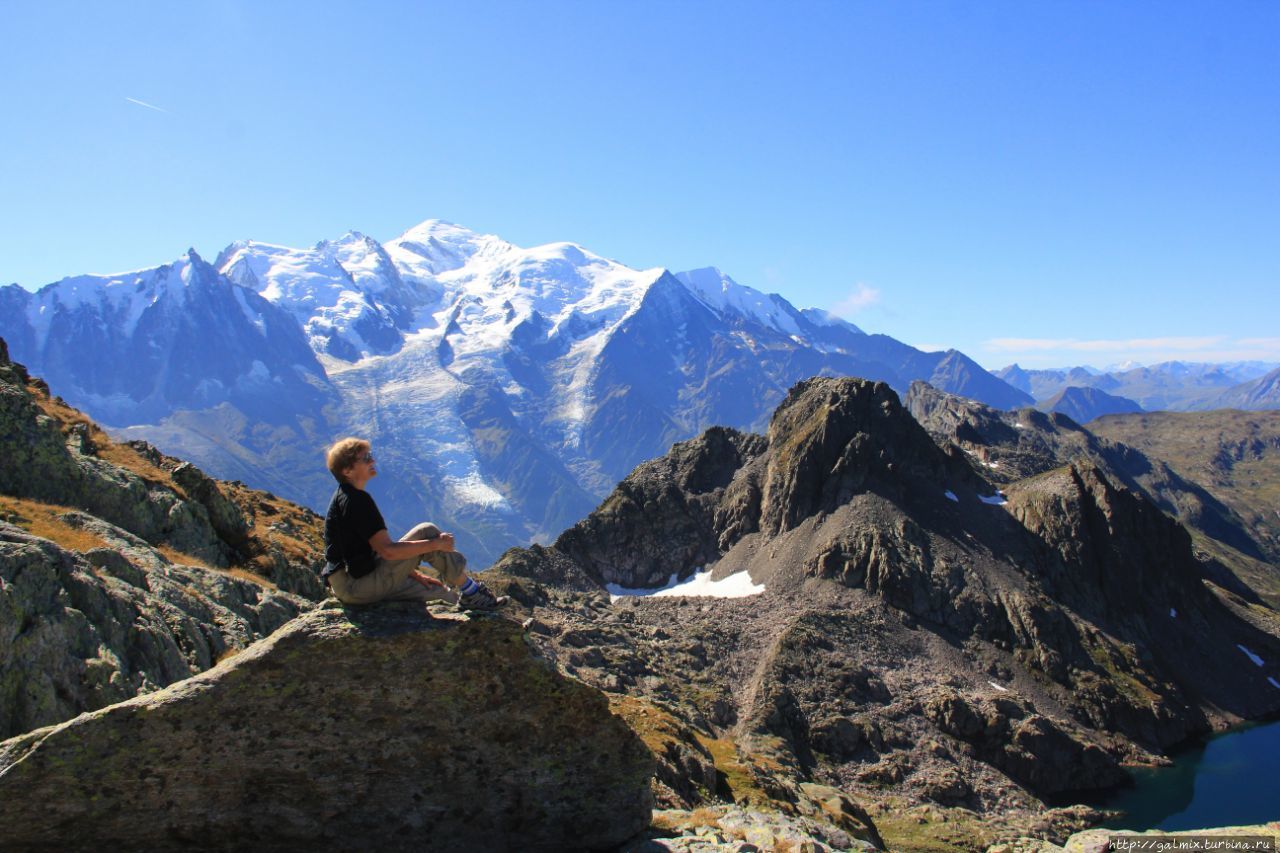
(365, 565)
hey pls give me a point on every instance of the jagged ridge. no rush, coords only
(904, 635)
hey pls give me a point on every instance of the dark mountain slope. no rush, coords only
(1233, 455)
(1156, 459)
(917, 634)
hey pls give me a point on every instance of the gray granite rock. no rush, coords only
(385, 728)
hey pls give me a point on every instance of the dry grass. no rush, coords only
(682, 822)
(103, 446)
(227, 654)
(41, 519)
(911, 832)
(270, 514)
(252, 577)
(181, 558)
(656, 727)
(736, 771)
(304, 544)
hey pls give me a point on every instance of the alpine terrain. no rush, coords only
(505, 389)
(855, 631)
(950, 655)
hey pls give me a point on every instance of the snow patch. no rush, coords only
(737, 585)
(998, 499)
(1274, 683)
(724, 295)
(1257, 661)
(998, 687)
(472, 489)
(982, 461)
(951, 496)
(1173, 613)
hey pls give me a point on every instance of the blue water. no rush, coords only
(1232, 780)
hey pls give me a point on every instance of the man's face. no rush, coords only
(365, 468)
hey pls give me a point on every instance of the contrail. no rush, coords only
(145, 104)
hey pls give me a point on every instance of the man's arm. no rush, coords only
(388, 549)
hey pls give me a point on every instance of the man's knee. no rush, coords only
(425, 530)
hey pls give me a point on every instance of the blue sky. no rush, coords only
(1051, 183)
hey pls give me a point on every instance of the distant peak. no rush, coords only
(706, 279)
(706, 272)
(440, 229)
(350, 238)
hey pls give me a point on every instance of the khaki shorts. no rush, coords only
(390, 579)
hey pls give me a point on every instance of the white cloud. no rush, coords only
(861, 298)
(1130, 345)
(1272, 344)
(1062, 352)
(145, 104)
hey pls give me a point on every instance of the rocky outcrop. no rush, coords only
(1099, 840)
(80, 631)
(1008, 446)
(54, 454)
(1151, 642)
(831, 439)
(1233, 454)
(123, 570)
(388, 727)
(661, 521)
(921, 634)
(55, 461)
(1030, 747)
(827, 821)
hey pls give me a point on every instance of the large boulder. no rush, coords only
(389, 728)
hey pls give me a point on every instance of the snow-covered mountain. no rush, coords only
(505, 389)
(134, 347)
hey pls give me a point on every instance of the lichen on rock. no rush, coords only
(387, 727)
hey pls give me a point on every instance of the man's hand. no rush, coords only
(426, 580)
(443, 542)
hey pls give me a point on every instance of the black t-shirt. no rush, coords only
(352, 518)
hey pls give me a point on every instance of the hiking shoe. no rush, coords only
(482, 599)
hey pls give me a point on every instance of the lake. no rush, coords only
(1231, 780)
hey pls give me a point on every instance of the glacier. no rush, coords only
(505, 389)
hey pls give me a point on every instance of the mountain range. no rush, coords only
(944, 618)
(505, 389)
(1168, 386)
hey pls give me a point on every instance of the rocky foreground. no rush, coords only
(383, 728)
(123, 570)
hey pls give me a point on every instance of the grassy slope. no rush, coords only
(277, 525)
(1232, 454)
